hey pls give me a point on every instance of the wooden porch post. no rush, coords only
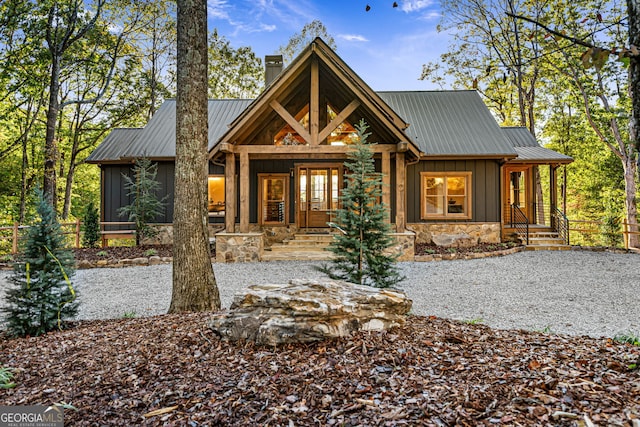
(230, 193)
(244, 192)
(401, 175)
(314, 102)
(553, 196)
(386, 182)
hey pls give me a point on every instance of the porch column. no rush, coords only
(386, 183)
(401, 175)
(244, 192)
(230, 193)
(553, 194)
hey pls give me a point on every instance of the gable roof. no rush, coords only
(117, 142)
(529, 150)
(450, 123)
(343, 76)
(157, 140)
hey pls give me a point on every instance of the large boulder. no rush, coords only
(459, 240)
(306, 311)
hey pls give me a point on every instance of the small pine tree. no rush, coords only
(365, 234)
(42, 296)
(145, 206)
(91, 226)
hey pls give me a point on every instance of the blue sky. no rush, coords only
(385, 46)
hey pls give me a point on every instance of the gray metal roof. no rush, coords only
(529, 150)
(118, 141)
(449, 123)
(157, 140)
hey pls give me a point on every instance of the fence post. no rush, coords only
(14, 245)
(625, 234)
(78, 233)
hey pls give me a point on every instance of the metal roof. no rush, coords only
(118, 141)
(157, 140)
(450, 123)
(529, 150)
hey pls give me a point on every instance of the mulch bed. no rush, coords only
(115, 253)
(173, 370)
(430, 249)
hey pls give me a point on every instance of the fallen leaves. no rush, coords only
(172, 370)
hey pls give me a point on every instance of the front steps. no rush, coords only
(545, 240)
(303, 247)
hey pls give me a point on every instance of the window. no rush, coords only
(215, 187)
(445, 195)
(273, 196)
(344, 134)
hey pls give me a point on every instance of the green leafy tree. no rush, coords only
(42, 296)
(360, 249)
(91, 227)
(145, 205)
(233, 73)
(301, 40)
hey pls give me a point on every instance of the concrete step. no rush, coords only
(328, 238)
(537, 241)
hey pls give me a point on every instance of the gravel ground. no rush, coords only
(572, 292)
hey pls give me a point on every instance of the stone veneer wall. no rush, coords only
(165, 234)
(404, 246)
(485, 232)
(239, 247)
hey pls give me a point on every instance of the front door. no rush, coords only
(318, 188)
(516, 191)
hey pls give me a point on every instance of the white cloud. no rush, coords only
(353, 37)
(216, 9)
(415, 5)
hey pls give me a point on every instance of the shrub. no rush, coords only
(91, 226)
(41, 296)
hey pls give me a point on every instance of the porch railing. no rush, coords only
(520, 222)
(561, 225)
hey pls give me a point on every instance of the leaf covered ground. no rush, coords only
(172, 370)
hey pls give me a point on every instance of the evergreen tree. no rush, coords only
(145, 206)
(91, 227)
(365, 233)
(42, 296)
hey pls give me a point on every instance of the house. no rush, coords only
(276, 162)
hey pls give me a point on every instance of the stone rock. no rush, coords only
(306, 311)
(140, 261)
(460, 240)
(84, 263)
(102, 262)
(155, 260)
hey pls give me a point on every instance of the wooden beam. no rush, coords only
(314, 102)
(308, 149)
(386, 183)
(226, 147)
(230, 193)
(346, 112)
(401, 175)
(244, 192)
(282, 112)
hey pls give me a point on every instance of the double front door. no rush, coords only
(318, 189)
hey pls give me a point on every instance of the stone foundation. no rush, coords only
(404, 246)
(239, 247)
(484, 232)
(165, 234)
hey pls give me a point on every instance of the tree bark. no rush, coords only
(633, 9)
(194, 283)
(51, 146)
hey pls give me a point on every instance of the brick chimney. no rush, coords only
(273, 67)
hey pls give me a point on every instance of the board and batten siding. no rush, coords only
(114, 193)
(485, 188)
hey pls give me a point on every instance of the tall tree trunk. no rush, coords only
(50, 143)
(633, 9)
(194, 283)
(630, 188)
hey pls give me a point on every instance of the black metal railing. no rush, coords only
(561, 224)
(520, 222)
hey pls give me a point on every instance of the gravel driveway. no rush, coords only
(573, 292)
